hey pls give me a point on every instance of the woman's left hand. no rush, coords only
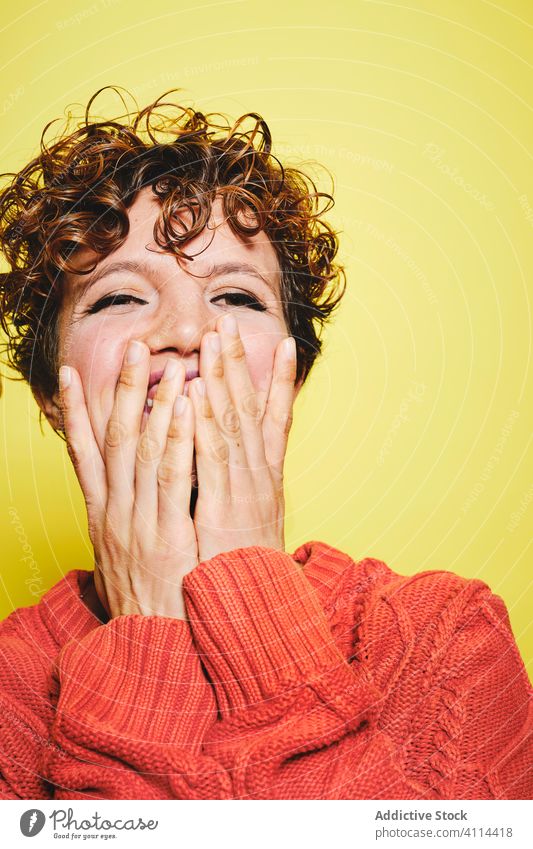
(240, 444)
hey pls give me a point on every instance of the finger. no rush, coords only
(242, 394)
(81, 443)
(224, 411)
(212, 452)
(151, 445)
(277, 420)
(175, 469)
(122, 433)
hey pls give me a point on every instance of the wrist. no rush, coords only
(210, 548)
(168, 610)
(95, 599)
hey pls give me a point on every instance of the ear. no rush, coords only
(51, 407)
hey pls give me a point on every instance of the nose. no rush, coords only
(182, 317)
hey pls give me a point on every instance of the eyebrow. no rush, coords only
(148, 270)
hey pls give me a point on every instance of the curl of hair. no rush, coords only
(76, 193)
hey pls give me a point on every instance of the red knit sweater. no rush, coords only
(303, 676)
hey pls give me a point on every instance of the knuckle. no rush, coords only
(236, 350)
(109, 537)
(250, 406)
(148, 448)
(219, 450)
(283, 421)
(206, 409)
(167, 472)
(288, 373)
(217, 369)
(127, 378)
(116, 433)
(230, 421)
(287, 423)
(175, 433)
(164, 393)
(64, 411)
(74, 452)
(161, 550)
(93, 522)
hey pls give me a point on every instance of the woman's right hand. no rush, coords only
(138, 494)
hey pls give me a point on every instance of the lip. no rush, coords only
(155, 378)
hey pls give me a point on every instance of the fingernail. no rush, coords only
(170, 369)
(65, 376)
(179, 405)
(229, 325)
(289, 347)
(133, 353)
(200, 385)
(214, 341)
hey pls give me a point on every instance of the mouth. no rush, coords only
(155, 380)
(146, 413)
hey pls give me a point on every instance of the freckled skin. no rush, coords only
(179, 309)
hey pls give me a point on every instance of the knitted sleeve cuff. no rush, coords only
(138, 677)
(259, 627)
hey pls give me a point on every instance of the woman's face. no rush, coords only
(162, 304)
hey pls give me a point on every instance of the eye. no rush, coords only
(242, 299)
(115, 300)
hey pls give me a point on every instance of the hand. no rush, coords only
(138, 494)
(240, 447)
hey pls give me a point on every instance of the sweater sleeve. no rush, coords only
(133, 708)
(289, 702)
(490, 697)
(133, 705)
(24, 725)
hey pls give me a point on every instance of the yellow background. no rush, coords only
(410, 441)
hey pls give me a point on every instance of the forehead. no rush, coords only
(215, 245)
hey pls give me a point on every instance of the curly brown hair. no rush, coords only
(76, 192)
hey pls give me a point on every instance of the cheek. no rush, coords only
(98, 362)
(260, 351)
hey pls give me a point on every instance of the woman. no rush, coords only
(163, 286)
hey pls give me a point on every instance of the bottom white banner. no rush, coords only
(256, 824)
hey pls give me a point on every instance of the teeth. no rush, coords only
(149, 402)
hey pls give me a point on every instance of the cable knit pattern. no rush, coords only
(308, 676)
